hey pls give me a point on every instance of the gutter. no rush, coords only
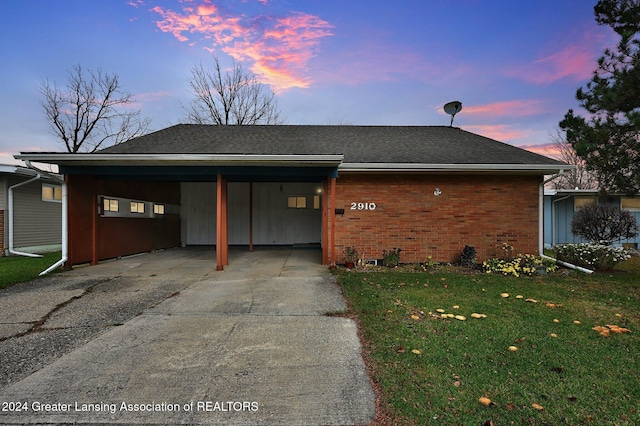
(313, 160)
(417, 167)
(11, 214)
(65, 239)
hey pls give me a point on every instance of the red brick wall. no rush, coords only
(2, 233)
(482, 211)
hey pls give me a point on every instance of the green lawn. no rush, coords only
(17, 269)
(433, 371)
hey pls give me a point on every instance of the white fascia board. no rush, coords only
(415, 167)
(571, 191)
(181, 159)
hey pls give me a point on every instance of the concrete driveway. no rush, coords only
(164, 339)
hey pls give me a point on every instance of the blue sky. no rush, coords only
(514, 64)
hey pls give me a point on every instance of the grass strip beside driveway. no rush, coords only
(434, 370)
(18, 269)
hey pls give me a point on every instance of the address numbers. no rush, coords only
(363, 206)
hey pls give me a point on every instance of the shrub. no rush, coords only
(468, 257)
(391, 258)
(603, 223)
(522, 264)
(599, 257)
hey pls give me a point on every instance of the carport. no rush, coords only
(121, 204)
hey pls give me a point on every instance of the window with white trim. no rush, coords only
(51, 192)
(158, 209)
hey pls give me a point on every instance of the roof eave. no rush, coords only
(182, 159)
(544, 169)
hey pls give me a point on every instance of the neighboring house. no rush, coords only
(561, 204)
(429, 190)
(37, 211)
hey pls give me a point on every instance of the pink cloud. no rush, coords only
(572, 61)
(278, 48)
(499, 132)
(576, 60)
(517, 108)
(547, 149)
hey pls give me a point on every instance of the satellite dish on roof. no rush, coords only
(452, 108)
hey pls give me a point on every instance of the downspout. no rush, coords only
(65, 236)
(541, 228)
(11, 227)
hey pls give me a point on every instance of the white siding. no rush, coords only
(36, 222)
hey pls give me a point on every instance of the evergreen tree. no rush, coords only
(609, 138)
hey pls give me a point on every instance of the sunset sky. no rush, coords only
(514, 64)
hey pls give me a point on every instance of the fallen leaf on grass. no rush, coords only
(513, 348)
(556, 320)
(415, 317)
(610, 328)
(488, 423)
(456, 307)
(577, 322)
(550, 305)
(519, 296)
(456, 381)
(460, 317)
(485, 401)
(553, 335)
(531, 300)
(476, 315)
(504, 295)
(537, 406)
(440, 310)
(416, 351)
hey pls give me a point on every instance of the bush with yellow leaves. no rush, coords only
(522, 264)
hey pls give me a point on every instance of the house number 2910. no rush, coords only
(363, 206)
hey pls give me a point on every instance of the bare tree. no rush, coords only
(233, 97)
(580, 178)
(92, 111)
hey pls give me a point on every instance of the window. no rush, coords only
(110, 205)
(632, 204)
(158, 208)
(316, 202)
(51, 192)
(137, 207)
(297, 202)
(579, 202)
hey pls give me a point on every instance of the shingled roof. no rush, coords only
(358, 144)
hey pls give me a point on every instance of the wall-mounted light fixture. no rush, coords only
(437, 192)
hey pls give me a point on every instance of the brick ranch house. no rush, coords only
(429, 190)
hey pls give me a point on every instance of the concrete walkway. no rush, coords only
(249, 345)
